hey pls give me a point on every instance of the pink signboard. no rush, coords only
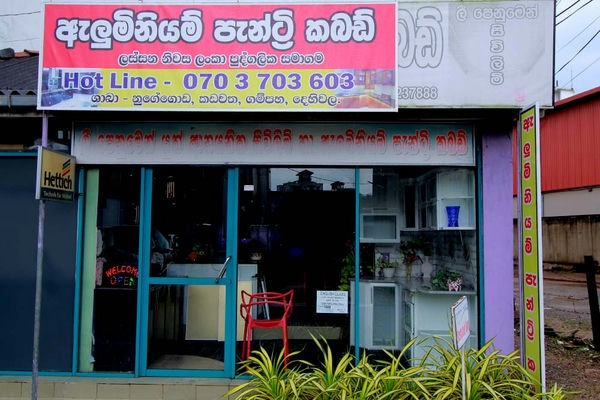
(253, 57)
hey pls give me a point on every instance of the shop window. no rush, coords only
(411, 234)
(295, 225)
(109, 310)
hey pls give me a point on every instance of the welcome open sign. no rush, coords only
(121, 275)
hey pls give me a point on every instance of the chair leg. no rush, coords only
(245, 344)
(286, 349)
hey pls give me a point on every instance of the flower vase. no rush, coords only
(388, 272)
(405, 270)
(426, 268)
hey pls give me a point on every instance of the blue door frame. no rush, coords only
(228, 280)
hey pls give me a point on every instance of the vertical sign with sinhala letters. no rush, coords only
(530, 246)
(55, 176)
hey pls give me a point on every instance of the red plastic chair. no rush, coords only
(269, 301)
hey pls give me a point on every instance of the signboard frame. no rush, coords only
(55, 178)
(531, 282)
(461, 329)
(219, 56)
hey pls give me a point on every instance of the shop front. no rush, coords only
(169, 243)
(373, 187)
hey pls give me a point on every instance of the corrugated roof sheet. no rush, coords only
(570, 141)
(19, 74)
(569, 144)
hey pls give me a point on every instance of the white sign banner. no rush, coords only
(282, 143)
(475, 54)
(460, 322)
(332, 302)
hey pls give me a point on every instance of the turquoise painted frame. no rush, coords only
(479, 232)
(356, 310)
(228, 281)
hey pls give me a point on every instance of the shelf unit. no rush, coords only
(443, 188)
(433, 310)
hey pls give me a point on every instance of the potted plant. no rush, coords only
(347, 271)
(386, 266)
(447, 279)
(348, 266)
(409, 248)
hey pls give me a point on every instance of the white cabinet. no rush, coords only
(380, 315)
(447, 188)
(427, 314)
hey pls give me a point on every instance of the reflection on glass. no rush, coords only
(186, 327)
(188, 217)
(400, 210)
(117, 271)
(186, 321)
(296, 225)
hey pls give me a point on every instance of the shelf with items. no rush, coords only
(441, 190)
(436, 306)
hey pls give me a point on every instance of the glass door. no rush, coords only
(189, 286)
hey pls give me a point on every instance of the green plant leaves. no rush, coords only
(436, 376)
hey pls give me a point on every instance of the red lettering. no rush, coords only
(527, 170)
(527, 150)
(530, 304)
(530, 330)
(527, 196)
(528, 123)
(531, 364)
(531, 279)
(528, 245)
(454, 143)
(150, 137)
(122, 269)
(412, 144)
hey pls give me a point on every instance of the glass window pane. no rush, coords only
(109, 295)
(186, 327)
(188, 217)
(297, 226)
(405, 242)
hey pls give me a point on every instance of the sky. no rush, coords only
(577, 44)
(577, 40)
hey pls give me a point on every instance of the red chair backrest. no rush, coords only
(268, 299)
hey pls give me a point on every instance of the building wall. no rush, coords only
(570, 227)
(496, 212)
(572, 203)
(19, 216)
(566, 240)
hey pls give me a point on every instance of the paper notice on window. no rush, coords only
(332, 302)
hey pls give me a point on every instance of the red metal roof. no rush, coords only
(569, 143)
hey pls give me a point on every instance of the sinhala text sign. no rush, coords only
(475, 53)
(530, 246)
(461, 328)
(273, 143)
(252, 57)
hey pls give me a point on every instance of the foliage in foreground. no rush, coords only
(437, 375)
